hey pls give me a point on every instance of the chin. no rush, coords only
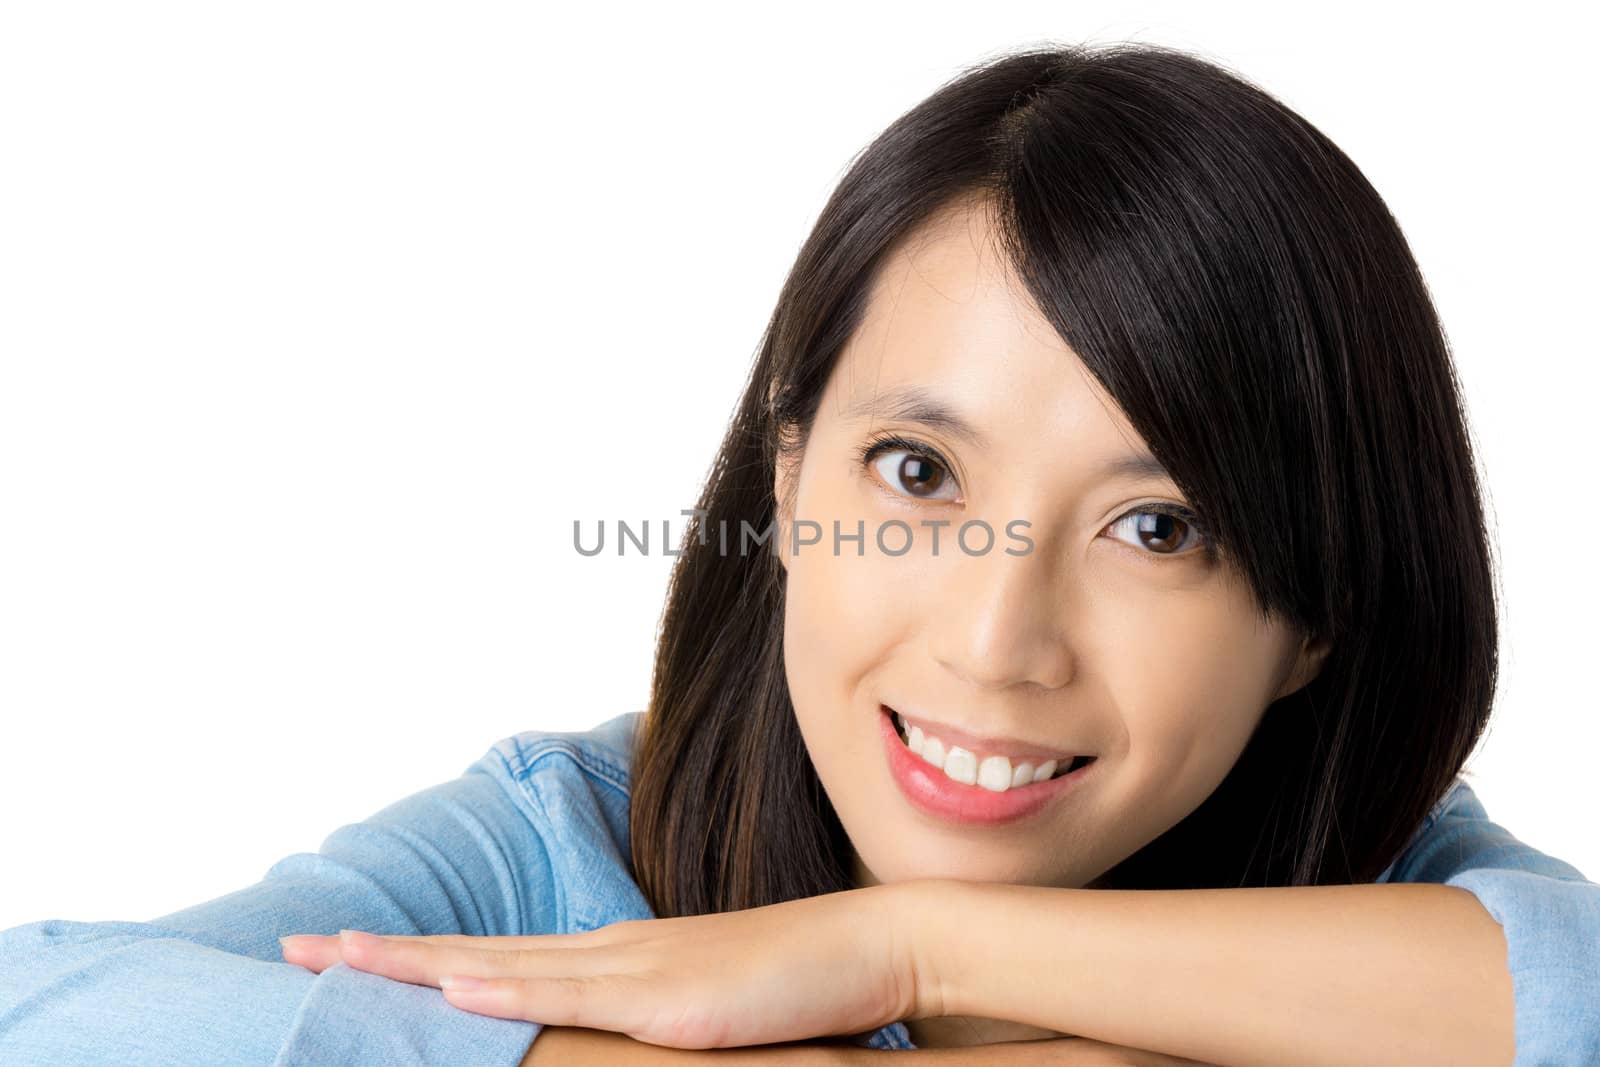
(969, 868)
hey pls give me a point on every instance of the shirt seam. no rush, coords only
(530, 756)
(540, 820)
(1443, 803)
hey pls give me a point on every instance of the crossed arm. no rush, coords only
(1408, 972)
(561, 1046)
(1317, 976)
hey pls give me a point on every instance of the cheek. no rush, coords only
(839, 620)
(1191, 702)
(844, 613)
(847, 619)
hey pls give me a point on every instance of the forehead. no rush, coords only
(947, 315)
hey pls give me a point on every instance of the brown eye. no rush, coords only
(1161, 533)
(914, 475)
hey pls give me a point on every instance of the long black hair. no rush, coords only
(1242, 292)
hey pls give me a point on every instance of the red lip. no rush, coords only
(927, 788)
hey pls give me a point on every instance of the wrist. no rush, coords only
(940, 917)
(971, 942)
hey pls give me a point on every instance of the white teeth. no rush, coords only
(995, 773)
(961, 765)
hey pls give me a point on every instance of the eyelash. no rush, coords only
(878, 444)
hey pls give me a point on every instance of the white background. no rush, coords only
(320, 323)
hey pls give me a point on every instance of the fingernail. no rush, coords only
(460, 983)
(359, 939)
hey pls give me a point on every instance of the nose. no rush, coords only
(1000, 622)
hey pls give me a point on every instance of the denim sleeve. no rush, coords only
(208, 984)
(1550, 915)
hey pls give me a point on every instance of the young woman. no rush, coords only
(1081, 634)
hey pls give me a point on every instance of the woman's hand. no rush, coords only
(841, 963)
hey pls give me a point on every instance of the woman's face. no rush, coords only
(1113, 636)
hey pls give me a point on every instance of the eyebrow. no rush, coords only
(1139, 465)
(912, 403)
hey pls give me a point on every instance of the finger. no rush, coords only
(512, 941)
(424, 963)
(598, 1002)
(318, 952)
(311, 951)
(476, 941)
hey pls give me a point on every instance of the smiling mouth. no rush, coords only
(994, 772)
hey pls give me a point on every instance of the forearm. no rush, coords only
(567, 1046)
(575, 1047)
(562, 1046)
(1317, 976)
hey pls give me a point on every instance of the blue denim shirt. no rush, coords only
(533, 839)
